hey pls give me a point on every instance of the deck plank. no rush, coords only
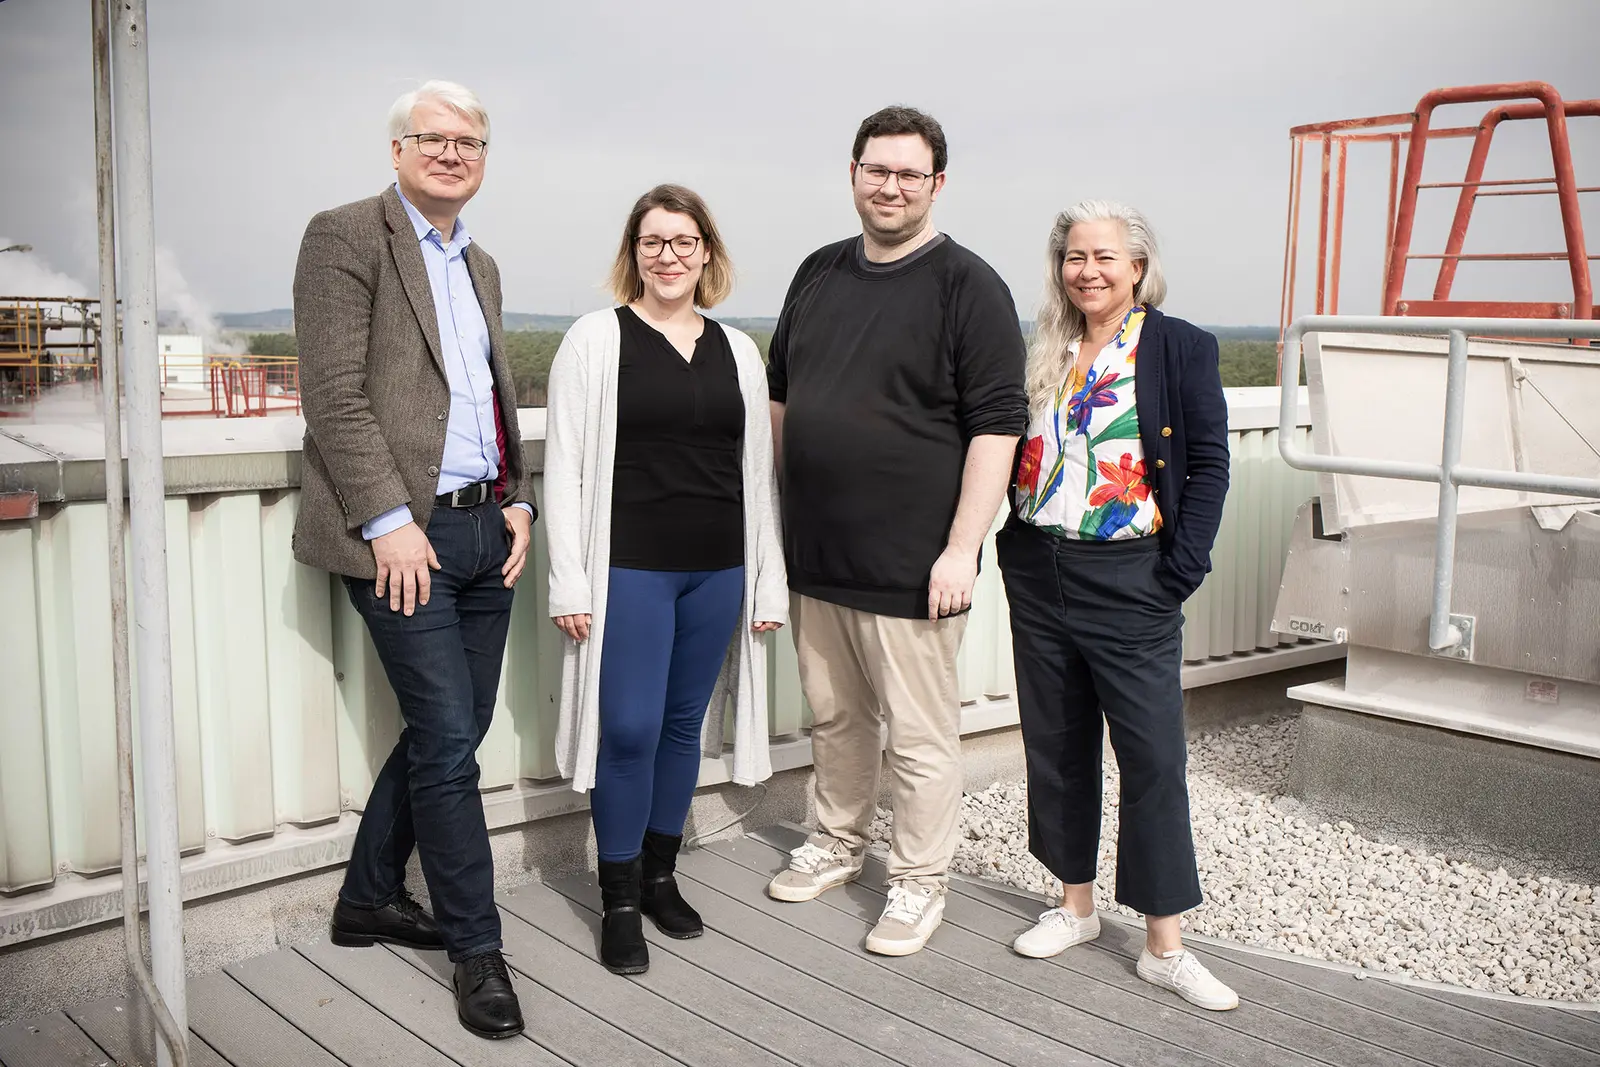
(331, 1015)
(245, 1031)
(1002, 1015)
(774, 977)
(1451, 1024)
(1103, 984)
(419, 1004)
(1576, 1027)
(1572, 1026)
(1459, 1033)
(1189, 1026)
(782, 1032)
(1293, 1017)
(760, 926)
(659, 1023)
(227, 1026)
(755, 925)
(773, 984)
(49, 1041)
(557, 1025)
(1109, 992)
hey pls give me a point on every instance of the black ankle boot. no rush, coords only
(661, 900)
(622, 947)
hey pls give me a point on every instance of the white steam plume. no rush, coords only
(30, 274)
(174, 294)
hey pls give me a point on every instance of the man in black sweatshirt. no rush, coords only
(896, 378)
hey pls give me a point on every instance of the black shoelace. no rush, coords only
(406, 906)
(487, 965)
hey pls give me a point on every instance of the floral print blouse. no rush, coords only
(1082, 473)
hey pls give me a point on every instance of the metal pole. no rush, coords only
(1465, 202)
(1288, 250)
(1322, 225)
(1389, 219)
(1338, 229)
(171, 1034)
(1442, 635)
(147, 499)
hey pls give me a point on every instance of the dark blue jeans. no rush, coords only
(444, 665)
(667, 635)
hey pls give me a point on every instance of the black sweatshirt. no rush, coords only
(886, 372)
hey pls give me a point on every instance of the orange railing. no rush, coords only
(234, 386)
(204, 386)
(50, 342)
(1414, 132)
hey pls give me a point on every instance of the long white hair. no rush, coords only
(458, 98)
(1060, 322)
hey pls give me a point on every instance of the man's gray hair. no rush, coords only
(462, 100)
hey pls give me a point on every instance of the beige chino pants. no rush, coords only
(858, 670)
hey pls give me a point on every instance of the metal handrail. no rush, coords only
(1416, 131)
(1554, 111)
(1448, 474)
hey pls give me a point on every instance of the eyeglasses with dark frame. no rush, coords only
(651, 246)
(432, 145)
(876, 174)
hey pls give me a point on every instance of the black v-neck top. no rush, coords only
(677, 495)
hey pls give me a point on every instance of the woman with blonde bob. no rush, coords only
(1116, 502)
(665, 563)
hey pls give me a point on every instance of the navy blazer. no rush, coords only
(1183, 426)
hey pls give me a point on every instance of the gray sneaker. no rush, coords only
(815, 868)
(910, 916)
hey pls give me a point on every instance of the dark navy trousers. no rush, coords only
(1098, 644)
(443, 662)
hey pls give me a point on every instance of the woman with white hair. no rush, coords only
(1116, 501)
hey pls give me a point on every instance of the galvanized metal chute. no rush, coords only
(1472, 609)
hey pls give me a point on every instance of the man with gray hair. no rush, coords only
(414, 491)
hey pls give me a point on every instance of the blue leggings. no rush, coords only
(667, 635)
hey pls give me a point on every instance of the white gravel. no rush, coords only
(1277, 879)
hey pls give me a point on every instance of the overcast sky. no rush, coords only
(264, 113)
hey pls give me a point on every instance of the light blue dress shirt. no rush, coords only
(470, 452)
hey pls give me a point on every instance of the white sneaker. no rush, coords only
(910, 917)
(1186, 976)
(1056, 931)
(813, 869)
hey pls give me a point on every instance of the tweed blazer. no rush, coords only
(373, 384)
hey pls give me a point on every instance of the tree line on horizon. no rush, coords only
(531, 352)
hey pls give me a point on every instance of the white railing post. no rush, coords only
(147, 498)
(1442, 636)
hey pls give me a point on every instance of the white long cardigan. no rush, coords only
(580, 454)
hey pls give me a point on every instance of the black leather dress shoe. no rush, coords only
(400, 922)
(485, 1002)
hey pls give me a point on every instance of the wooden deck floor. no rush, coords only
(789, 984)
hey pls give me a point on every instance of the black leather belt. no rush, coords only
(468, 496)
